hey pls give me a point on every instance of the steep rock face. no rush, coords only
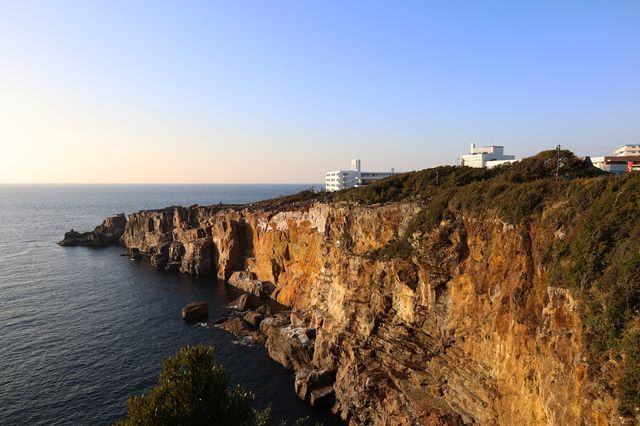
(175, 238)
(468, 330)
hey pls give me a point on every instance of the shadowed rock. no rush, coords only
(253, 318)
(134, 253)
(264, 310)
(195, 311)
(241, 328)
(322, 397)
(106, 234)
(308, 381)
(244, 302)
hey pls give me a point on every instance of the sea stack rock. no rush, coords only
(195, 311)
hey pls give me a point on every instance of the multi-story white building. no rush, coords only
(625, 150)
(624, 158)
(486, 156)
(343, 179)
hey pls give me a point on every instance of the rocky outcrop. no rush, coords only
(291, 347)
(241, 328)
(315, 386)
(247, 282)
(106, 234)
(469, 329)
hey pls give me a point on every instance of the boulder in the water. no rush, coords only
(195, 311)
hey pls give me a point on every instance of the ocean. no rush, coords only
(83, 329)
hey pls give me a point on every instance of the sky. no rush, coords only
(283, 91)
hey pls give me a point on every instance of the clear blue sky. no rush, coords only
(257, 91)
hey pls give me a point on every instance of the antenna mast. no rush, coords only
(558, 163)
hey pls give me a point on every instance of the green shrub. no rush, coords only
(193, 390)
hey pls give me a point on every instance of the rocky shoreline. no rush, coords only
(465, 331)
(273, 325)
(287, 341)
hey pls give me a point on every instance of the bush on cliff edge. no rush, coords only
(193, 390)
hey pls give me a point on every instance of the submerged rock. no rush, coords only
(195, 311)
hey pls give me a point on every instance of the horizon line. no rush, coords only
(160, 183)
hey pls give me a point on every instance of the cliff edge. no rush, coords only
(447, 296)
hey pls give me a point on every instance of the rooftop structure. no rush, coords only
(625, 158)
(625, 150)
(486, 156)
(343, 179)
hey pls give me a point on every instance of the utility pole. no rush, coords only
(558, 163)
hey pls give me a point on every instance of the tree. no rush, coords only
(193, 390)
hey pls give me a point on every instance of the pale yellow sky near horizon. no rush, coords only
(50, 134)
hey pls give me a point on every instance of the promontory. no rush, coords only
(446, 296)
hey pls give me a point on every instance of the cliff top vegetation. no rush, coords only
(429, 183)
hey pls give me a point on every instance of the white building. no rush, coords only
(620, 161)
(342, 179)
(625, 150)
(486, 156)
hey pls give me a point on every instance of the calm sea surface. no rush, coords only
(82, 329)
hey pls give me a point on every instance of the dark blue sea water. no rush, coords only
(82, 329)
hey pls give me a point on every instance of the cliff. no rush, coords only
(457, 301)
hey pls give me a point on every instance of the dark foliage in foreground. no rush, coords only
(193, 390)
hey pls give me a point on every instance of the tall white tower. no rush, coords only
(355, 164)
